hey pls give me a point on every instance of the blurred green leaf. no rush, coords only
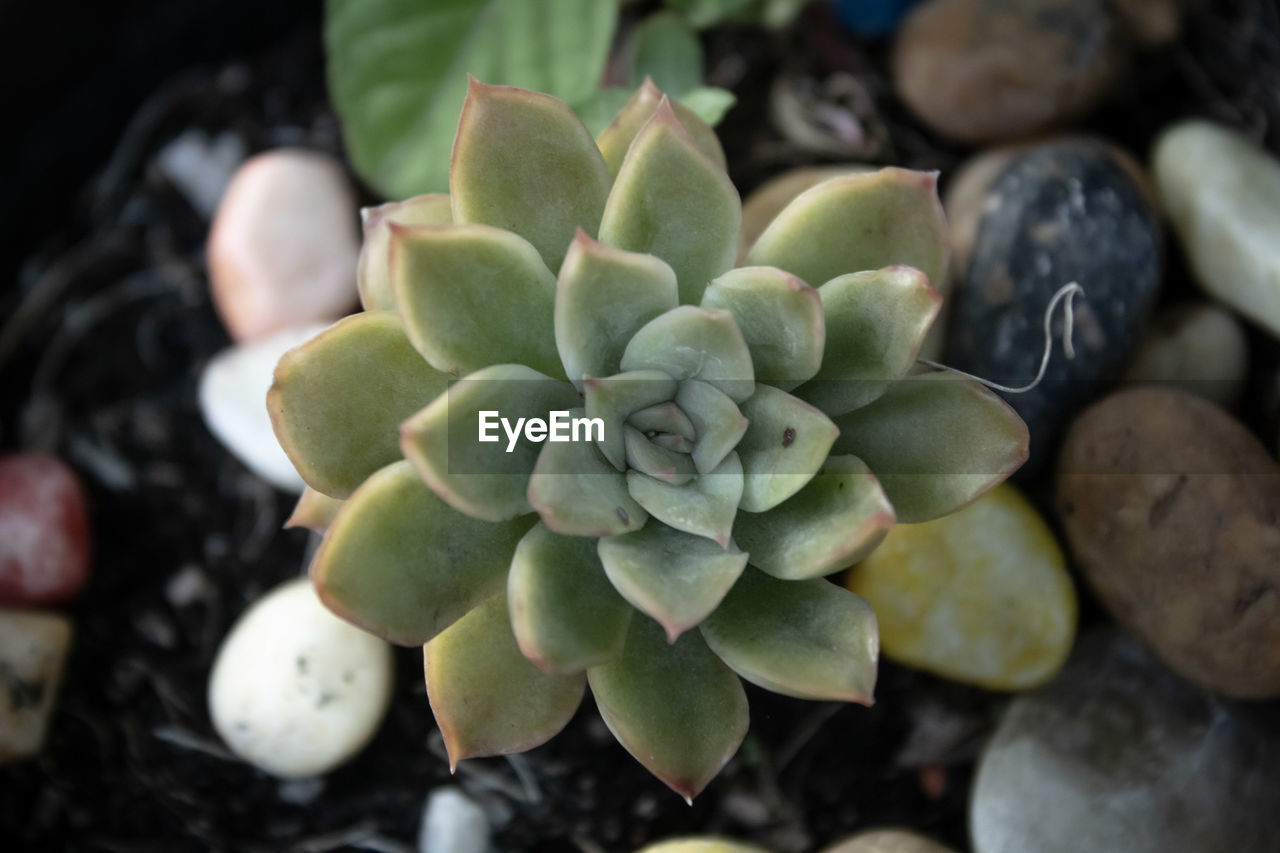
(666, 50)
(708, 103)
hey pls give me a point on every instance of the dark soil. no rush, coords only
(101, 347)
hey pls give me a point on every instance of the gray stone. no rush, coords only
(1197, 347)
(453, 823)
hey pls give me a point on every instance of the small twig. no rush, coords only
(188, 740)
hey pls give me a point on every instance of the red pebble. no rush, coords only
(44, 530)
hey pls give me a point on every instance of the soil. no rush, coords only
(101, 347)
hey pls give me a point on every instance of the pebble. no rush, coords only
(981, 596)
(453, 823)
(1172, 511)
(1198, 347)
(1222, 194)
(200, 167)
(887, 841)
(33, 649)
(283, 246)
(294, 690)
(44, 530)
(996, 70)
(1074, 209)
(1117, 755)
(1152, 23)
(233, 401)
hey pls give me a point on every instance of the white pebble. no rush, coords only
(452, 823)
(33, 648)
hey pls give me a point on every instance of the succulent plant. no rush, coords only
(746, 433)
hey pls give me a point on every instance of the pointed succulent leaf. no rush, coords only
(784, 446)
(694, 343)
(833, 522)
(877, 321)
(674, 706)
(487, 697)
(674, 577)
(705, 506)
(565, 613)
(658, 462)
(935, 442)
(484, 479)
(708, 103)
(603, 297)
(664, 418)
(613, 399)
(315, 511)
(670, 200)
(400, 563)
(515, 151)
(373, 271)
(671, 441)
(781, 320)
(809, 639)
(859, 222)
(716, 418)
(578, 493)
(337, 400)
(445, 281)
(615, 139)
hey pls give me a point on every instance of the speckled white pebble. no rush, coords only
(295, 690)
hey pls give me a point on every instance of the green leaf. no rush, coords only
(667, 51)
(373, 271)
(657, 461)
(400, 563)
(578, 493)
(705, 506)
(523, 162)
(784, 446)
(488, 698)
(665, 418)
(614, 398)
(484, 479)
(809, 639)
(338, 400)
(708, 13)
(565, 613)
(600, 109)
(936, 442)
(717, 420)
(603, 297)
(708, 103)
(670, 200)
(838, 518)
(315, 511)
(694, 343)
(616, 138)
(674, 577)
(397, 72)
(859, 222)
(780, 318)
(675, 707)
(446, 282)
(877, 321)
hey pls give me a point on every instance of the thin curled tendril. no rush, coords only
(1068, 293)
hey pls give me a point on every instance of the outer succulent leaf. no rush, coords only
(656, 461)
(614, 398)
(488, 698)
(936, 442)
(484, 479)
(615, 139)
(674, 577)
(446, 282)
(373, 272)
(809, 639)
(400, 563)
(664, 418)
(705, 506)
(337, 400)
(670, 200)
(833, 522)
(716, 418)
(675, 707)
(694, 343)
(877, 321)
(578, 493)
(859, 222)
(565, 613)
(603, 297)
(516, 150)
(784, 446)
(315, 511)
(780, 318)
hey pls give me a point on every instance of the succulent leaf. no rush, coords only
(400, 563)
(615, 139)
(338, 399)
(488, 698)
(705, 506)
(935, 442)
(373, 271)
(565, 613)
(810, 639)
(315, 511)
(515, 151)
(614, 398)
(719, 423)
(674, 706)
(656, 461)
(833, 522)
(694, 343)
(578, 493)
(664, 418)
(784, 446)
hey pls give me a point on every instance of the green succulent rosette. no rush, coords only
(756, 435)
